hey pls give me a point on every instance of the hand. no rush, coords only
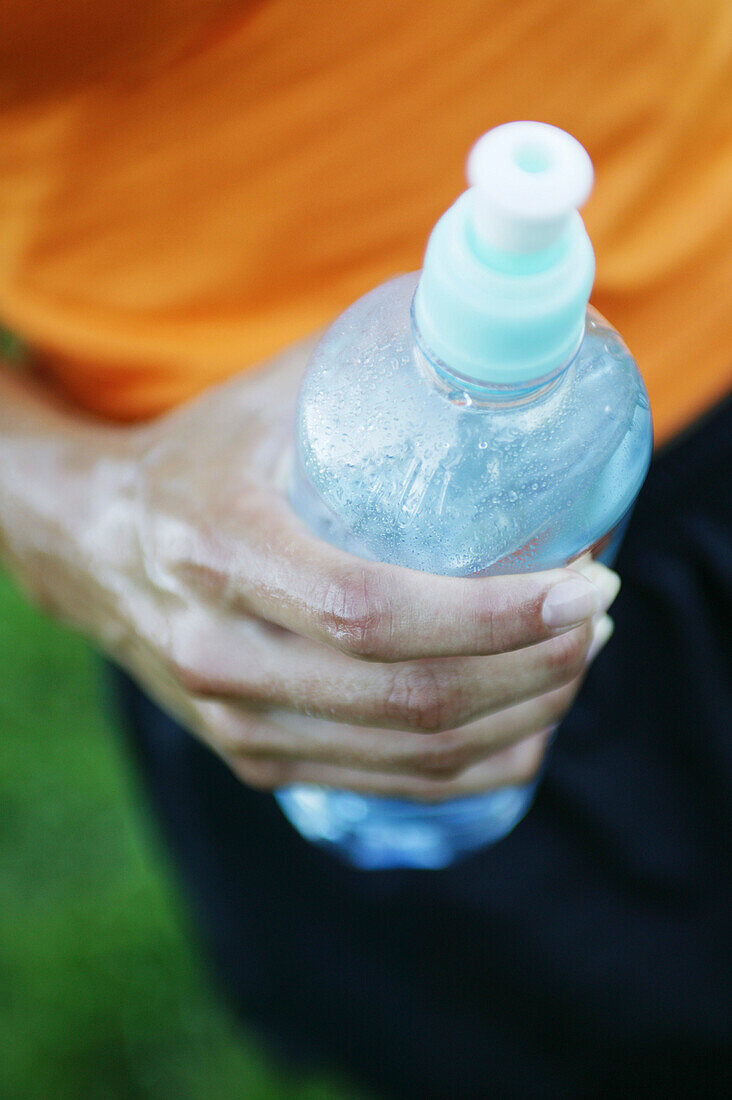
(295, 661)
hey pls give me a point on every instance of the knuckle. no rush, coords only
(565, 655)
(529, 758)
(191, 676)
(185, 651)
(444, 756)
(355, 615)
(421, 699)
(200, 662)
(264, 775)
(236, 736)
(171, 545)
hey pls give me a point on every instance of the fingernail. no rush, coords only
(603, 578)
(600, 636)
(570, 602)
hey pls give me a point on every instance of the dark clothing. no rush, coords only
(588, 954)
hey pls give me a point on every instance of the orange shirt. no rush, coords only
(188, 185)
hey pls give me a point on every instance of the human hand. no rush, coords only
(294, 661)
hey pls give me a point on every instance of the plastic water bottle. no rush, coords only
(472, 419)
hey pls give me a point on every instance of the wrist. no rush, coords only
(65, 506)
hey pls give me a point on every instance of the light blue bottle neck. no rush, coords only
(467, 391)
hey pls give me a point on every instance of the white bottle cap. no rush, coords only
(528, 178)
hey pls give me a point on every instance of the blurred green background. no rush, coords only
(102, 991)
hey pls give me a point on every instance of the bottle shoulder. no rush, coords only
(428, 477)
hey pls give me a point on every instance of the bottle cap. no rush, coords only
(509, 267)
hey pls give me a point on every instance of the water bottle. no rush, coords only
(474, 418)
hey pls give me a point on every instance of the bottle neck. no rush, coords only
(463, 390)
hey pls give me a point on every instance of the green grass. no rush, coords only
(102, 994)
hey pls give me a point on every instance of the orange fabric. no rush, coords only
(188, 185)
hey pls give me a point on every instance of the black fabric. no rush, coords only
(588, 954)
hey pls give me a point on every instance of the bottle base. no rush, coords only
(374, 833)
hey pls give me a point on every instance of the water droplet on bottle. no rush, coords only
(483, 444)
(460, 397)
(513, 496)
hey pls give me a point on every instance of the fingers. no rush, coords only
(424, 696)
(431, 695)
(255, 665)
(271, 749)
(515, 766)
(279, 572)
(281, 737)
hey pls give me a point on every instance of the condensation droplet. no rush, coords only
(460, 397)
